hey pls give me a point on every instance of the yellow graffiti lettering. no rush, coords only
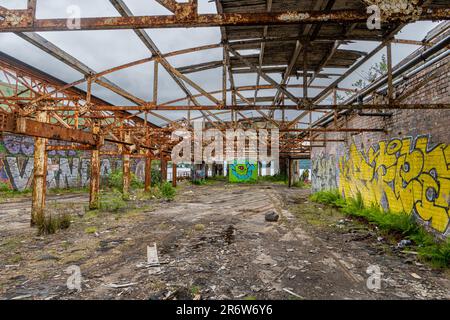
(397, 177)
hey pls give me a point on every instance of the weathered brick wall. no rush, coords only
(405, 169)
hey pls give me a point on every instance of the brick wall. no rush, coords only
(405, 169)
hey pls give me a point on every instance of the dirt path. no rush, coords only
(214, 243)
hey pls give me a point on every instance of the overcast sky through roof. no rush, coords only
(109, 48)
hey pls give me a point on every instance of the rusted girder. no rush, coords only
(20, 21)
(151, 106)
(359, 130)
(37, 129)
(69, 147)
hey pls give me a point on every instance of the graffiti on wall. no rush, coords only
(324, 173)
(65, 169)
(401, 175)
(243, 172)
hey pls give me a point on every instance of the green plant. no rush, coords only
(4, 187)
(199, 182)
(397, 224)
(332, 197)
(167, 191)
(156, 176)
(301, 184)
(277, 178)
(112, 202)
(195, 290)
(90, 230)
(437, 255)
(50, 224)
(115, 180)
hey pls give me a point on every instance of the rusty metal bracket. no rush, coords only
(186, 11)
(16, 18)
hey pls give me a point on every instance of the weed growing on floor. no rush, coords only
(7, 192)
(168, 192)
(277, 178)
(115, 181)
(90, 230)
(391, 223)
(51, 224)
(112, 201)
(332, 198)
(301, 185)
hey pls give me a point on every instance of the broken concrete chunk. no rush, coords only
(272, 216)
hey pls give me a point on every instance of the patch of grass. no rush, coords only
(199, 227)
(195, 290)
(52, 223)
(332, 198)
(90, 230)
(7, 192)
(168, 192)
(115, 181)
(437, 255)
(250, 298)
(10, 244)
(199, 182)
(4, 187)
(68, 190)
(398, 224)
(14, 259)
(277, 178)
(301, 184)
(112, 202)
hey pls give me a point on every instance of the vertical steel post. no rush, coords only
(94, 185)
(148, 173)
(174, 175)
(39, 175)
(126, 168)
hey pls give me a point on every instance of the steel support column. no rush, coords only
(174, 175)
(148, 173)
(39, 176)
(94, 185)
(126, 168)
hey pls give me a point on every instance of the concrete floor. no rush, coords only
(213, 243)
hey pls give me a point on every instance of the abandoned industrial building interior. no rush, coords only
(224, 150)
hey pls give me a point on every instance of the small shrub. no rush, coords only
(301, 184)
(280, 178)
(199, 182)
(51, 224)
(199, 227)
(90, 230)
(437, 253)
(115, 180)
(156, 176)
(332, 197)
(112, 202)
(168, 192)
(4, 187)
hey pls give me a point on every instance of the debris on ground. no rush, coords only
(272, 216)
(234, 255)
